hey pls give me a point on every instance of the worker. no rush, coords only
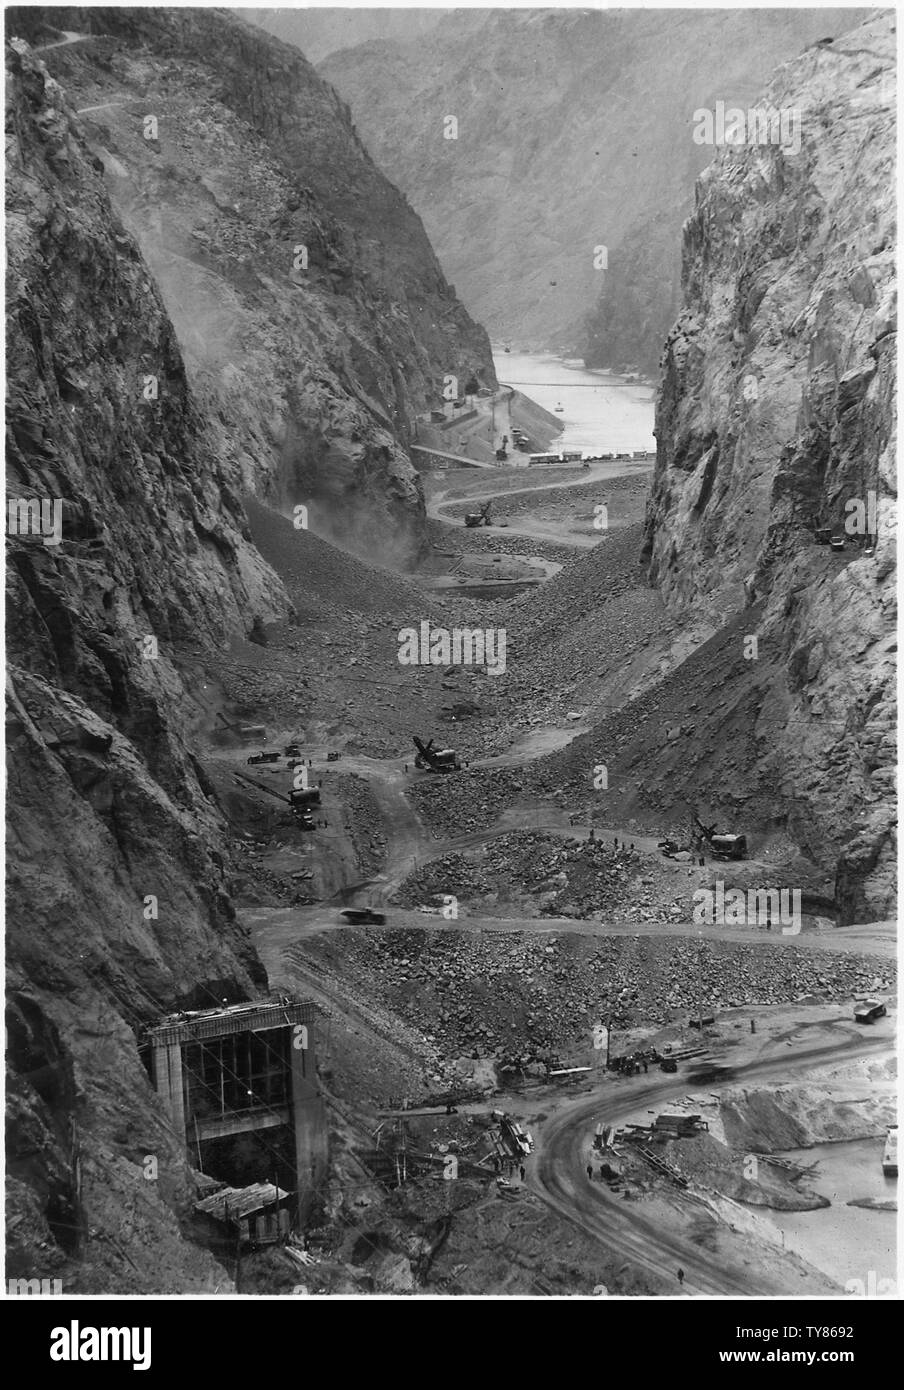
(632, 844)
(592, 836)
(590, 1171)
(615, 842)
(522, 1172)
(681, 1276)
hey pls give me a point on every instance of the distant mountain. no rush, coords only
(319, 32)
(574, 130)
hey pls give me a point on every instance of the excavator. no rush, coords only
(435, 759)
(723, 846)
(481, 518)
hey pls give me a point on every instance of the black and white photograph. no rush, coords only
(451, 666)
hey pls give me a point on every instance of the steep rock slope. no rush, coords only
(776, 414)
(314, 372)
(574, 130)
(118, 905)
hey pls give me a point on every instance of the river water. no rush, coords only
(845, 1242)
(601, 411)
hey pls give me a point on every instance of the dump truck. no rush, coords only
(869, 1011)
(481, 518)
(304, 796)
(263, 758)
(361, 916)
(434, 759)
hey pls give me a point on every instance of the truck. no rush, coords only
(263, 758)
(361, 916)
(869, 1011)
(304, 796)
(433, 759)
(728, 846)
(890, 1153)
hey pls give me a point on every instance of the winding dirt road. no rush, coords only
(559, 1177)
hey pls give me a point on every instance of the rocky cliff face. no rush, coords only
(777, 415)
(118, 904)
(162, 363)
(574, 130)
(313, 314)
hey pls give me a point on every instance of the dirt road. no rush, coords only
(439, 505)
(559, 1176)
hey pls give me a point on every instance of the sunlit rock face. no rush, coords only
(776, 415)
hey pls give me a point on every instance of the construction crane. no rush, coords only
(435, 759)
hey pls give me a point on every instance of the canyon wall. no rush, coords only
(575, 129)
(166, 360)
(776, 416)
(312, 312)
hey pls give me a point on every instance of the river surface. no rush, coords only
(601, 411)
(845, 1242)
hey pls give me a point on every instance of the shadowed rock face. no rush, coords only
(105, 810)
(312, 312)
(776, 412)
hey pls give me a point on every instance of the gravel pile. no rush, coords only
(501, 993)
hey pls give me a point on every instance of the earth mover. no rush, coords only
(481, 518)
(720, 846)
(435, 759)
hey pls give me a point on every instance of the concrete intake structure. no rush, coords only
(245, 1070)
